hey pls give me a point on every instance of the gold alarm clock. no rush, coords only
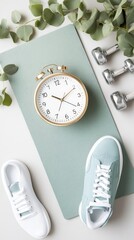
(60, 98)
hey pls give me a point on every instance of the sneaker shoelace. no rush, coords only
(101, 188)
(21, 202)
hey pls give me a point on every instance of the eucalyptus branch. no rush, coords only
(117, 16)
(10, 69)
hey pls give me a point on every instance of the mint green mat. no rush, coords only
(63, 150)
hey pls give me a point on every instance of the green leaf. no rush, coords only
(10, 69)
(3, 77)
(103, 17)
(32, 2)
(119, 9)
(36, 9)
(131, 28)
(132, 3)
(41, 24)
(129, 16)
(56, 8)
(118, 12)
(52, 2)
(107, 28)
(81, 11)
(72, 17)
(14, 36)
(4, 30)
(98, 35)
(54, 19)
(125, 43)
(119, 20)
(108, 6)
(7, 100)
(15, 16)
(71, 4)
(90, 25)
(1, 100)
(25, 32)
(115, 2)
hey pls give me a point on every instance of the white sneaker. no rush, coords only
(28, 211)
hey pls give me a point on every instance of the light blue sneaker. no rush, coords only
(102, 175)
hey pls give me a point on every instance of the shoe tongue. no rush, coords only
(93, 208)
(15, 188)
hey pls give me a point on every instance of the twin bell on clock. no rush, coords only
(60, 98)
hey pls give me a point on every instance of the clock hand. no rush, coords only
(61, 102)
(69, 103)
(69, 92)
(56, 97)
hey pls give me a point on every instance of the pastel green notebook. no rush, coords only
(63, 150)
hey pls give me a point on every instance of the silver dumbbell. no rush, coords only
(110, 75)
(120, 100)
(100, 55)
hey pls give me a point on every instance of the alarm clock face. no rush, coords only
(61, 99)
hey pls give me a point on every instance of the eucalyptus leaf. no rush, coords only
(129, 16)
(81, 11)
(131, 28)
(3, 77)
(54, 19)
(1, 100)
(71, 4)
(108, 6)
(25, 32)
(72, 17)
(98, 34)
(132, 3)
(107, 28)
(103, 17)
(52, 2)
(56, 8)
(118, 12)
(119, 20)
(14, 36)
(32, 2)
(124, 45)
(7, 100)
(15, 16)
(90, 25)
(4, 30)
(36, 9)
(41, 24)
(10, 69)
(3, 91)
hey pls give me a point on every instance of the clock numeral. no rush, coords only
(57, 82)
(74, 111)
(73, 86)
(43, 104)
(66, 82)
(48, 111)
(78, 104)
(66, 116)
(78, 94)
(48, 86)
(56, 115)
(44, 94)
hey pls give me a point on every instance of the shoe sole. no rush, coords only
(88, 163)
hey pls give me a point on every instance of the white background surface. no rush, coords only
(16, 142)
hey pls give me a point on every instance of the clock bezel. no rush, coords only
(56, 123)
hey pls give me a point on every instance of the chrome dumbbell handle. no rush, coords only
(110, 75)
(100, 55)
(112, 49)
(129, 97)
